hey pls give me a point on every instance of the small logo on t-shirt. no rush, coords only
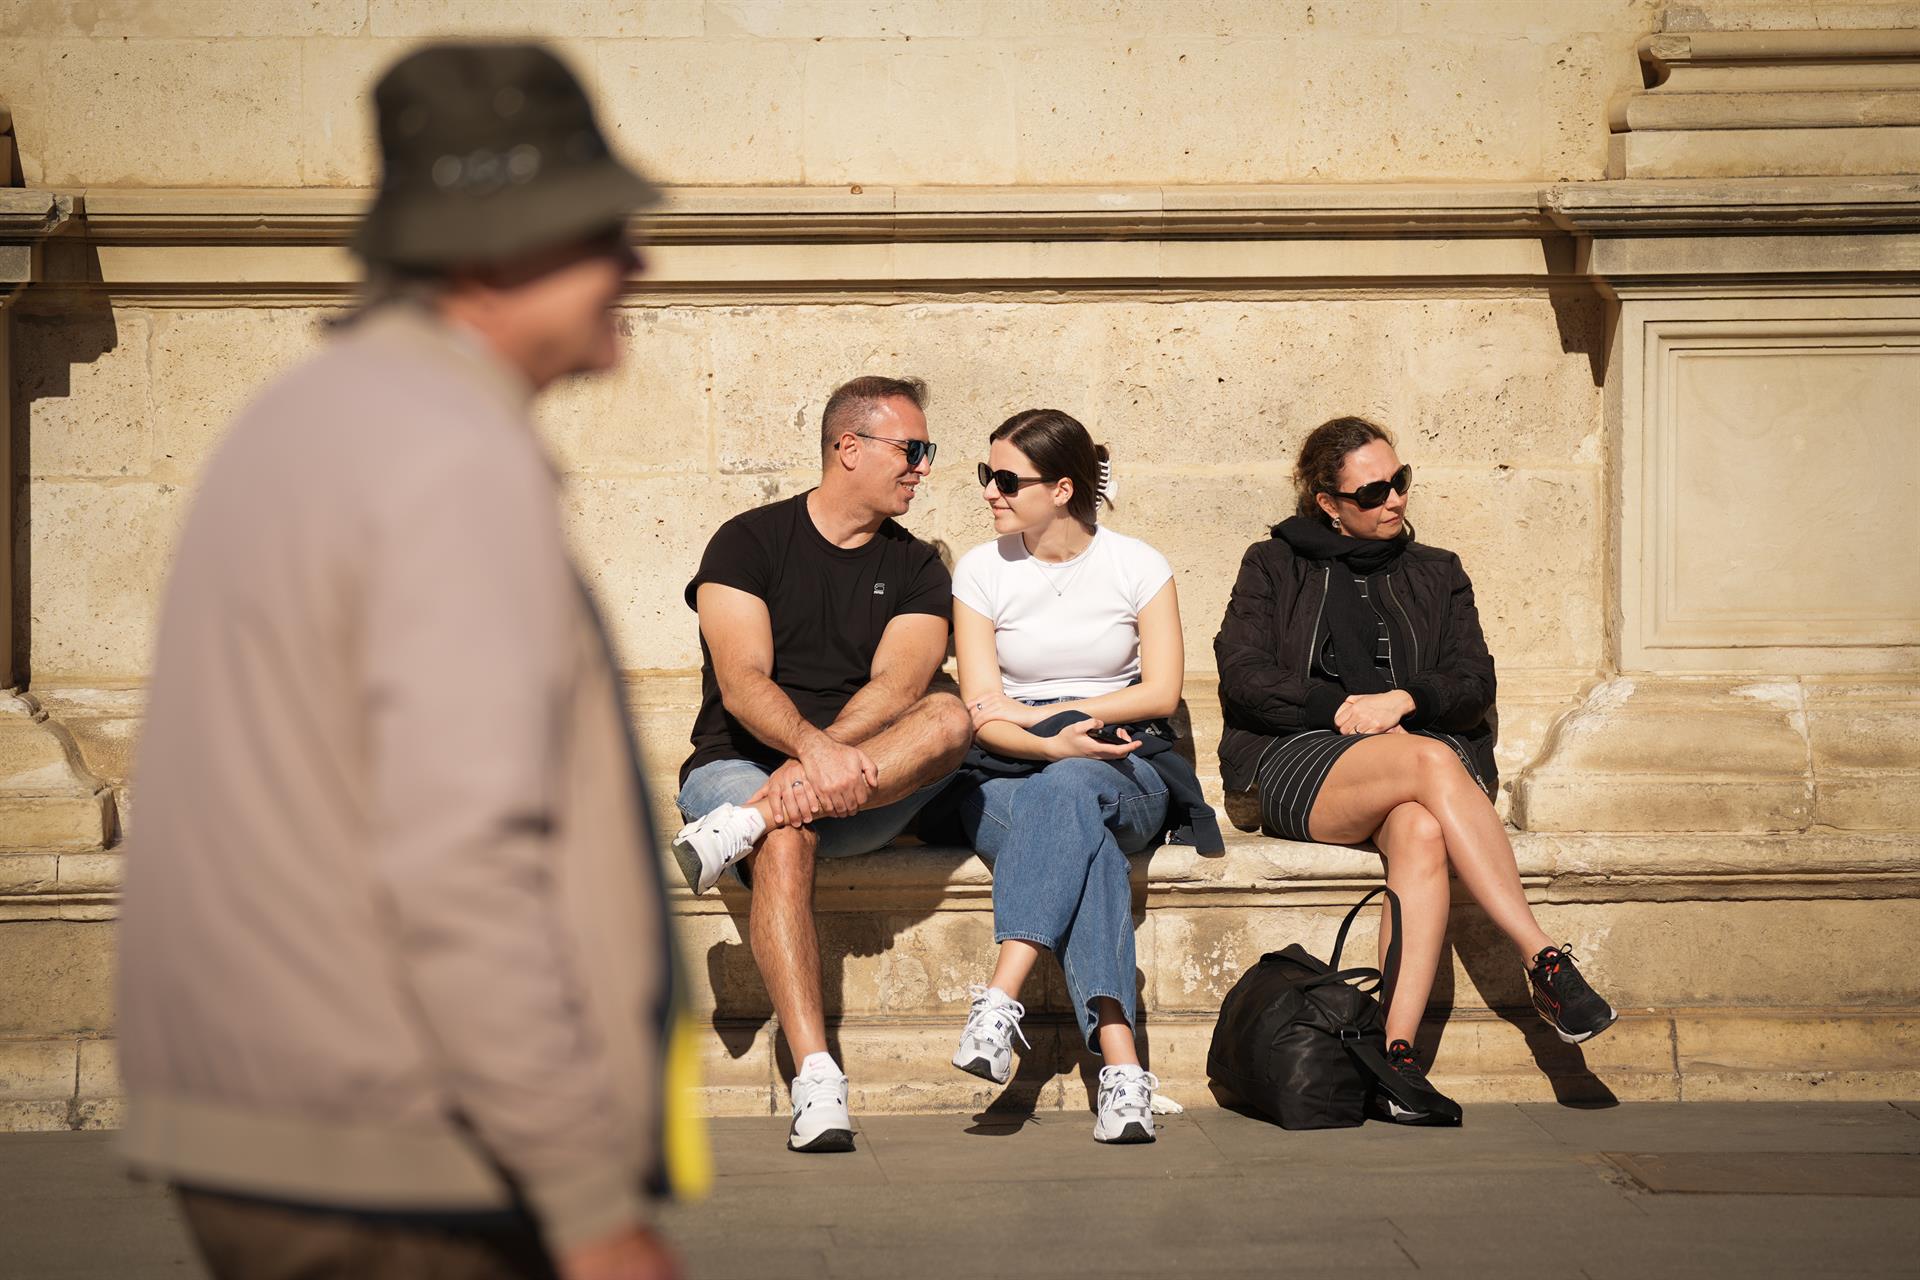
(879, 588)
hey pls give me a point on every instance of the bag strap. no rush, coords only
(1392, 966)
(1374, 1062)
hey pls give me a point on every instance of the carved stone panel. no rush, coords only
(1770, 463)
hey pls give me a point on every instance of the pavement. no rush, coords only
(1641, 1191)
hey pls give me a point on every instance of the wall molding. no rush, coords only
(238, 244)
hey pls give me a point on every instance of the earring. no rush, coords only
(1336, 522)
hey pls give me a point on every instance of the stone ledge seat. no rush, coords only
(1732, 953)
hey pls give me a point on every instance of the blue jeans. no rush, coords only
(1058, 842)
(721, 782)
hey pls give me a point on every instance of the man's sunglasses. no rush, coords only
(1006, 482)
(1369, 496)
(916, 450)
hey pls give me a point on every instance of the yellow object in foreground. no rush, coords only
(689, 1157)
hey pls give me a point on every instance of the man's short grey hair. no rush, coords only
(853, 404)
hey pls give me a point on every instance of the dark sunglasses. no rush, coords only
(916, 450)
(1006, 482)
(1369, 496)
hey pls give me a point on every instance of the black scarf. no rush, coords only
(1353, 626)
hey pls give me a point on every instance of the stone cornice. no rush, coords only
(31, 214)
(773, 215)
(1698, 48)
(1718, 206)
(195, 244)
(777, 215)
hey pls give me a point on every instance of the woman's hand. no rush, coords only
(989, 707)
(1077, 740)
(1373, 712)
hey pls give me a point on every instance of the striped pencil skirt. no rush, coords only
(1294, 768)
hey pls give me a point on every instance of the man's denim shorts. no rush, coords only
(721, 782)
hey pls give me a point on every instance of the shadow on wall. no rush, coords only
(1496, 974)
(1583, 318)
(44, 350)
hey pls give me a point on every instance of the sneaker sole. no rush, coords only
(826, 1142)
(1575, 1037)
(1131, 1133)
(982, 1068)
(689, 862)
(1397, 1114)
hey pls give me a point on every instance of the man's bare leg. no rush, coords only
(786, 945)
(922, 745)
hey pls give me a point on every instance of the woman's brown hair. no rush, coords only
(1060, 448)
(1322, 455)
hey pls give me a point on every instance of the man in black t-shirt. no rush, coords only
(822, 622)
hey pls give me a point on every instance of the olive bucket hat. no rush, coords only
(488, 152)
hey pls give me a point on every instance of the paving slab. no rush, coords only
(1051, 1148)
(1489, 1131)
(1221, 1195)
(1731, 1126)
(1879, 1174)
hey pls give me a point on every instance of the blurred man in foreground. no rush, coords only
(396, 972)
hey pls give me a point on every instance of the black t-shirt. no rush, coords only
(828, 606)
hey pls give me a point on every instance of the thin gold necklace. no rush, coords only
(1046, 575)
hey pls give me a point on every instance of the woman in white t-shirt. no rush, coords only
(1057, 614)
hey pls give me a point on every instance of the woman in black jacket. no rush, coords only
(1358, 695)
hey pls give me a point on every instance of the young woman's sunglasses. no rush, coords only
(1369, 496)
(914, 449)
(1005, 481)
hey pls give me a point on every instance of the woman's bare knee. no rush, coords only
(1412, 839)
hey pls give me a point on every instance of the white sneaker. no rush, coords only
(986, 1046)
(707, 846)
(820, 1120)
(1126, 1105)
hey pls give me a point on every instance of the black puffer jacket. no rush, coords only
(1276, 622)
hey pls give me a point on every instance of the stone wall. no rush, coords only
(1633, 282)
(717, 409)
(783, 92)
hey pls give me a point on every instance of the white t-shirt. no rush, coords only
(1069, 630)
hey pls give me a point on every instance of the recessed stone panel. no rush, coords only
(1748, 425)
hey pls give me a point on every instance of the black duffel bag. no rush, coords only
(1303, 1042)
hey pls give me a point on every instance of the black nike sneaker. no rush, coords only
(1411, 1098)
(1564, 999)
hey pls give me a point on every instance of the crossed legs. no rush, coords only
(922, 745)
(1411, 797)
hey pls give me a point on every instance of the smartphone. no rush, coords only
(1109, 734)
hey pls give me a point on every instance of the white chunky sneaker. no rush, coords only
(706, 847)
(1126, 1105)
(986, 1046)
(820, 1120)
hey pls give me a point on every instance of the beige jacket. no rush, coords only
(393, 921)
